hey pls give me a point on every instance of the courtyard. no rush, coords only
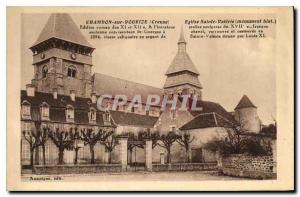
(134, 176)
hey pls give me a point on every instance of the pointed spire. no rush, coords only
(181, 37)
(245, 102)
(62, 26)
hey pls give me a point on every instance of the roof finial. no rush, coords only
(181, 38)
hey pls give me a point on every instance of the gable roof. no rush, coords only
(132, 119)
(244, 103)
(207, 120)
(104, 84)
(62, 26)
(209, 107)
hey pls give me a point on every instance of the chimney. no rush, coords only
(55, 93)
(72, 95)
(30, 89)
(94, 97)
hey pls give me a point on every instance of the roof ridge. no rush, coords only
(127, 80)
(222, 117)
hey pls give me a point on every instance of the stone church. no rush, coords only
(64, 91)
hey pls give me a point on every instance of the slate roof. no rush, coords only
(209, 107)
(57, 111)
(62, 26)
(105, 84)
(132, 119)
(182, 61)
(207, 120)
(244, 103)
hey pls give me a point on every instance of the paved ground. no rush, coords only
(135, 176)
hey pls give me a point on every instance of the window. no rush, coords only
(92, 115)
(107, 117)
(25, 109)
(44, 71)
(45, 110)
(70, 112)
(72, 71)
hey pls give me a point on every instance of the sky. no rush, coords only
(229, 68)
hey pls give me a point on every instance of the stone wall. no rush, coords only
(76, 169)
(184, 167)
(259, 167)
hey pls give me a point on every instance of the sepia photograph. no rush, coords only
(149, 96)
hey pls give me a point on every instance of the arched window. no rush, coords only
(69, 113)
(44, 110)
(44, 71)
(72, 71)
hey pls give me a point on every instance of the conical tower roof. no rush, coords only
(62, 26)
(182, 61)
(245, 102)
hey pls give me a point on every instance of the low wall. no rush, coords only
(258, 167)
(184, 167)
(76, 169)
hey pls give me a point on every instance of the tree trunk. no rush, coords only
(31, 156)
(109, 157)
(76, 155)
(92, 154)
(37, 156)
(61, 156)
(168, 155)
(44, 154)
(188, 154)
(130, 156)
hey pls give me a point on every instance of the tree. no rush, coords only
(167, 142)
(90, 137)
(185, 140)
(110, 143)
(63, 140)
(35, 138)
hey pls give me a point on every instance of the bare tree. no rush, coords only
(167, 142)
(91, 137)
(185, 140)
(35, 138)
(63, 140)
(110, 143)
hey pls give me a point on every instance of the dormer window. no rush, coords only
(26, 110)
(92, 114)
(70, 113)
(45, 111)
(72, 71)
(44, 71)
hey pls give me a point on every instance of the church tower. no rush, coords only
(245, 114)
(62, 58)
(182, 75)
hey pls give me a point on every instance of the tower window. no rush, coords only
(45, 71)
(72, 71)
